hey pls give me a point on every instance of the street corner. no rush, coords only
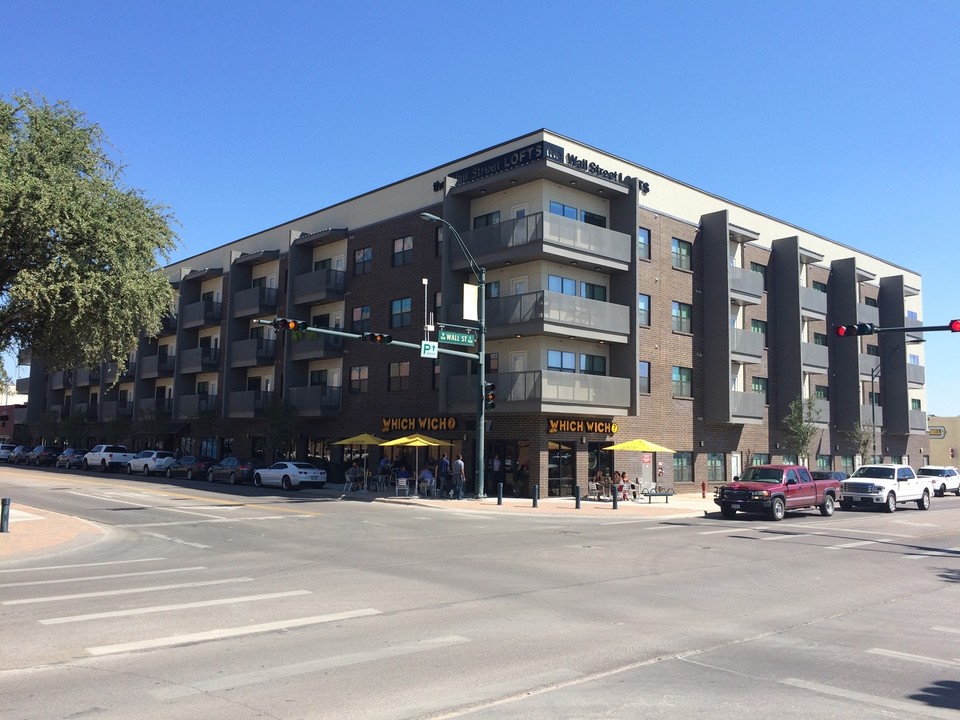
(32, 532)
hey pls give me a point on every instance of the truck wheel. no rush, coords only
(778, 509)
(924, 502)
(827, 506)
(957, 491)
(942, 491)
(728, 512)
(891, 504)
(103, 466)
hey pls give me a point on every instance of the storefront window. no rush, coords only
(560, 477)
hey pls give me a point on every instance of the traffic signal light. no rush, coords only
(286, 324)
(955, 326)
(855, 330)
(381, 338)
(489, 396)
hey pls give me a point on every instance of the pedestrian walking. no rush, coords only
(443, 475)
(458, 471)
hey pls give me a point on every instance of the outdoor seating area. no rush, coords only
(386, 478)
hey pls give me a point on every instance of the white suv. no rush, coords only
(943, 478)
(5, 451)
(885, 486)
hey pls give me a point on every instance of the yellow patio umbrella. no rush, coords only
(362, 439)
(639, 445)
(414, 441)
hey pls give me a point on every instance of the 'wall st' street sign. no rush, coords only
(456, 337)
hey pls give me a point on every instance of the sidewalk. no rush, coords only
(32, 531)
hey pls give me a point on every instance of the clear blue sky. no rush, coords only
(840, 117)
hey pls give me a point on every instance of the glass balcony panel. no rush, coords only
(316, 400)
(190, 406)
(317, 286)
(254, 301)
(248, 403)
(199, 359)
(252, 352)
(200, 314)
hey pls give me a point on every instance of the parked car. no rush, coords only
(5, 451)
(190, 467)
(885, 486)
(290, 475)
(774, 489)
(943, 479)
(107, 457)
(18, 455)
(71, 458)
(43, 455)
(148, 462)
(828, 475)
(234, 470)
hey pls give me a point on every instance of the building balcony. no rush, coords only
(918, 421)
(869, 366)
(916, 374)
(199, 359)
(252, 352)
(85, 377)
(746, 286)
(168, 325)
(912, 334)
(546, 391)
(60, 380)
(58, 412)
(318, 286)
(205, 313)
(89, 411)
(23, 385)
(552, 313)
(316, 400)
(746, 346)
(814, 358)
(111, 372)
(154, 366)
(813, 303)
(154, 407)
(315, 346)
(257, 300)
(190, 406)
(545, 236)
(746, 407)
(248, 403)
(113, 409)
(868, 314)
(872, 416)
(821, 411)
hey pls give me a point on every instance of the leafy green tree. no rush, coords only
(282, 424)
(81, 251)
(73, 429)
(861, 437)
(799, 426)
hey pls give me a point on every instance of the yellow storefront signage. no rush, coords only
(561, 425)
(417, 424)
(937, 432)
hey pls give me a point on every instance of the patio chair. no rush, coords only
(403, 486)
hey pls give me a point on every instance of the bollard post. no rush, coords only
(500, 493)
(5, 515)
(576, 494)
(703, 488)
(536, 494)
(616, 493)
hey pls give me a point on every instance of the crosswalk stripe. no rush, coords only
(58, 581)
(125, 591)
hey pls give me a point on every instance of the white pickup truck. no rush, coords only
(107, 457)
(884, 486)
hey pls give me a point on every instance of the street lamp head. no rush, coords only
(430, 216)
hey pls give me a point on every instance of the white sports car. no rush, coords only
(290, 475)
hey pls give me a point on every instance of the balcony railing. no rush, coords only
(111, 371)
(200, 314)
(318, 286)
(918, 421)
(868, 314)
(153, 366)
(872, 414)
(543, 311)
(916, 374)
(248, 403)
(313, 346)
(87, 410)
(59, 380)
(252, 352)
(316, 400)
(746, 406)
(23, 385)
(257, 300)
(813, 303)
(746, 346)
(746, 286)
(199, 359)
(536, 390)
(113, 409)
(190, 406)
(84, 377)
(546, 234)
(168, 325)
(815, 358)
(152, 407)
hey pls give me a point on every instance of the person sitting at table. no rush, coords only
(355, 476)
(425, 481)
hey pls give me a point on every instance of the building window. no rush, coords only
(493, 363)
(873, 350)
(564, 210)
(324, 264)
(493, 289)
(318, 378)
(359, 379)
(715, 467)
(760, 459)
(360, 322)
(760, 326)
(593, 364)
(592, 291)
(683, 467)
(593, 219)
(437, 240)
(643, 243)
(681, 313)
(643, 310)
(819, 286)
(823, 462)
(789, 459)
(558, 284)
(915, 404)
(759, 385)
(363, 261)
(682, 254)
(399, 376)
(401, 313)
(682, 378)
(846, 464)
(491, 218)
(435, 376)
(403, 251)
(760, 270)
(873, 398)
(870, 301)
(821, 392)
(561, 361)
(437, 300)
(643, 377)
(820, 339)
(913, 359)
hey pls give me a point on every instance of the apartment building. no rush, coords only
(620, 303)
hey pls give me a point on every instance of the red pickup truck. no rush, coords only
(774, 489)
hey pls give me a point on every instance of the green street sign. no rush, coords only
(456, 338)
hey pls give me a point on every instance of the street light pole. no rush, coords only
(480, 273)
(874, 374)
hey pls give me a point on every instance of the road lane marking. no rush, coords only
(865, 699)
(57, 581)
(940, 628)
(166, 608)
(269, 674)
(171, 523)
(125, 591)
(790, 536)
(868, 532)
(80, 565)
(915, 658)
(224, 633)
(858, 543)
(201, 546)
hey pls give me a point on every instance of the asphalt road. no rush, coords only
(235, 602)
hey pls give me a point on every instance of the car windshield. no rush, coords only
(936, 472)
(304, 466)
(878, 473)
(762, 474)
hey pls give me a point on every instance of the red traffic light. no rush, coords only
(855, 330)
(955, 326)
(381, 338)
